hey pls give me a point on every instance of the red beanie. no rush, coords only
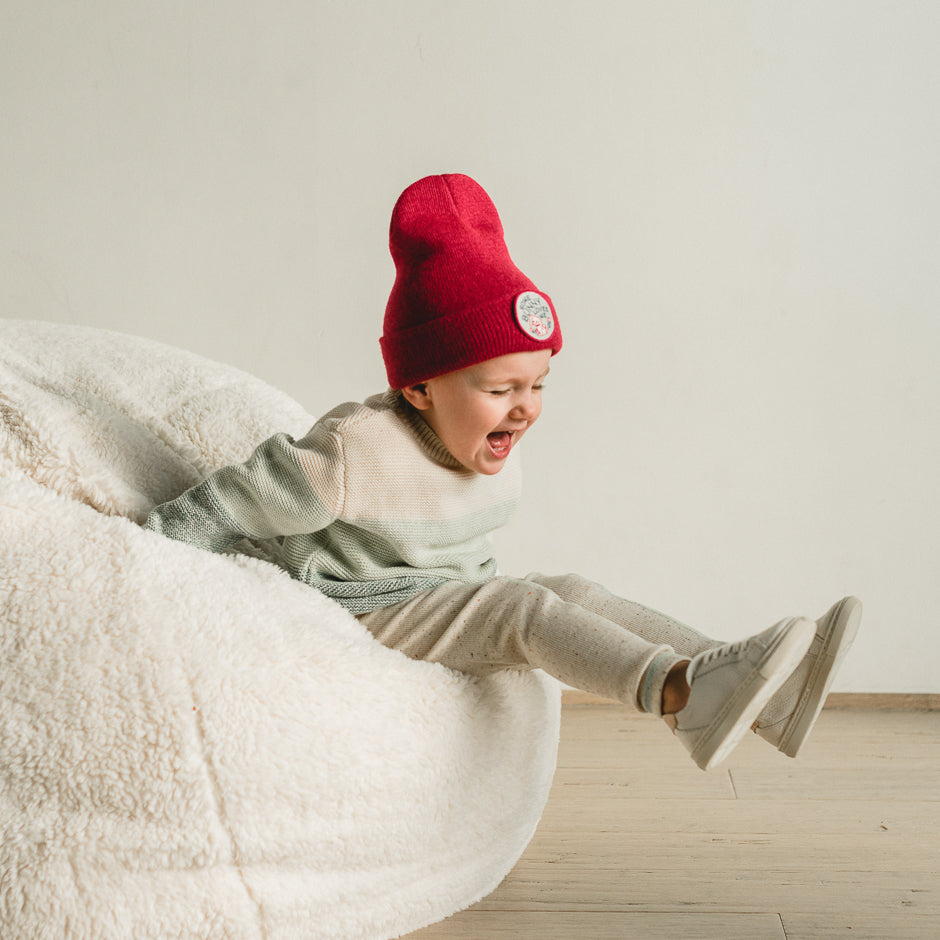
(458, 299)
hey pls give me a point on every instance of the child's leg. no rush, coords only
(508, 623)
(651, 625)
(791, 713)
(505, 623)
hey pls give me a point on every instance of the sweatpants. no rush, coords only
(574, 629)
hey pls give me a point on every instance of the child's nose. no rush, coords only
(527, 407)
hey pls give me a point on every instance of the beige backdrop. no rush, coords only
(734, 205)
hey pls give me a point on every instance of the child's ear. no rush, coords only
(417, 396)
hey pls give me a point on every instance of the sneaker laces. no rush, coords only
(703, 659)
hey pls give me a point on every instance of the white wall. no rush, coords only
(734, 205)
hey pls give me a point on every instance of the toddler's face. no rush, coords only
(480, 413)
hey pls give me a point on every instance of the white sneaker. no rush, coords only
(731, 684)
(790, 715)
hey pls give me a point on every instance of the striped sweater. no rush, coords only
(372, 507)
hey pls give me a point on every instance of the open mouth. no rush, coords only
(499, 443)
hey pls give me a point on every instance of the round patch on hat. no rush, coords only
(534, 315)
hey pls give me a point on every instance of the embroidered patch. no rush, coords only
(534, 315)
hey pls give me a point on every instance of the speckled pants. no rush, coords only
(574, 629)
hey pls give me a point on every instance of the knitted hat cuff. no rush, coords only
(460, 340)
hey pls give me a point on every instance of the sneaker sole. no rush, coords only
(779, 660)
(844, 620)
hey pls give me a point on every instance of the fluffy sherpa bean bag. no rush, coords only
(196, 746)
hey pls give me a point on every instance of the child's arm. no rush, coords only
(284, 488)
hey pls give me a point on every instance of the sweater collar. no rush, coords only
(430, 443)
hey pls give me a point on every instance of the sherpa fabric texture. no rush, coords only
(194, 745)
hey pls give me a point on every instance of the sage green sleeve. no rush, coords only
(286, 487)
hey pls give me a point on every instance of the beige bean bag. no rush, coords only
(196, 746)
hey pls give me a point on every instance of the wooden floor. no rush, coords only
(636, 841)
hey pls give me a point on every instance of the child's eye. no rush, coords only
(500, 392)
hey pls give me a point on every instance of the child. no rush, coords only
(387, 507)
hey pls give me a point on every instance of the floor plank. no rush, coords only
(860, 924)
(605, 808)
(807, 890)
(604, 926)
(632, 851)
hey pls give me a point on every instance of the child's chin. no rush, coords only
(491, 465)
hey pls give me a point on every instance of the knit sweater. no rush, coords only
(372, 506)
